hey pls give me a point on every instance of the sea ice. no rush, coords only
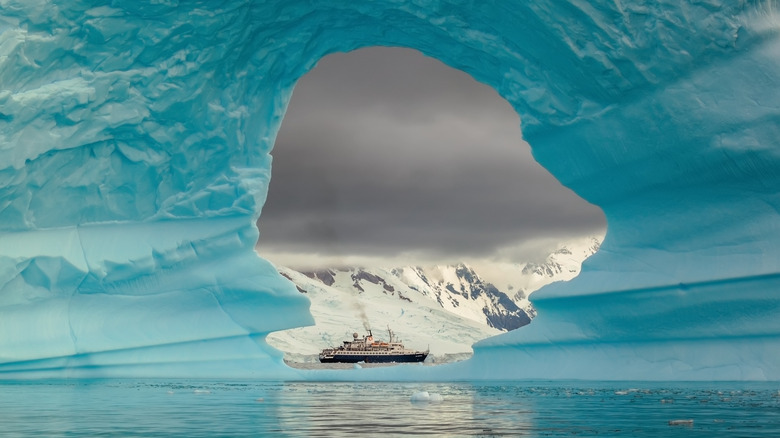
(426, 397)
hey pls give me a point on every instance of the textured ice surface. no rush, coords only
(134, 160)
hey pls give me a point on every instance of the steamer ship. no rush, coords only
(369, 350)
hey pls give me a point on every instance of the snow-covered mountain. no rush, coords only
(519, 280)
(446, 308)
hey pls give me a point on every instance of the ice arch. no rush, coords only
(134, 160)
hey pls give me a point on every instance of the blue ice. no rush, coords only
(134, 161)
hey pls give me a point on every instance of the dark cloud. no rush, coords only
(385, 151)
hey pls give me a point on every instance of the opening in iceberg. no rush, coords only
(403, 196)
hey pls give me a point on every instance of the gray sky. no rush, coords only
(388, 156)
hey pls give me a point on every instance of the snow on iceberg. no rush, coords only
(134, 161)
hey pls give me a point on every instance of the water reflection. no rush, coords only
(360, 408)
(196, 408)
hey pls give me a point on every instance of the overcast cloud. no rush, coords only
(388, 154)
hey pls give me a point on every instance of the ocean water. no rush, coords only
(152, 408)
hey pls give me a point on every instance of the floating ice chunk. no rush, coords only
(426, 397)
(421, 396)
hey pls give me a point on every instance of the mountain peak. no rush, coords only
(450, 306)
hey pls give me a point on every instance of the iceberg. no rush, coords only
(134, 163)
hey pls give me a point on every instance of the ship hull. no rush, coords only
(384, 358)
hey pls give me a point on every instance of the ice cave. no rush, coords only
(134, 162)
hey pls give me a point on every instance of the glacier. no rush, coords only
(134, 163)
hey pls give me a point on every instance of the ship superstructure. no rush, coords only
(369, 350)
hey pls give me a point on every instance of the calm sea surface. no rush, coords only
(149, 408)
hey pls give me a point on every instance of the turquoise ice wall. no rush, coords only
(134, 161)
